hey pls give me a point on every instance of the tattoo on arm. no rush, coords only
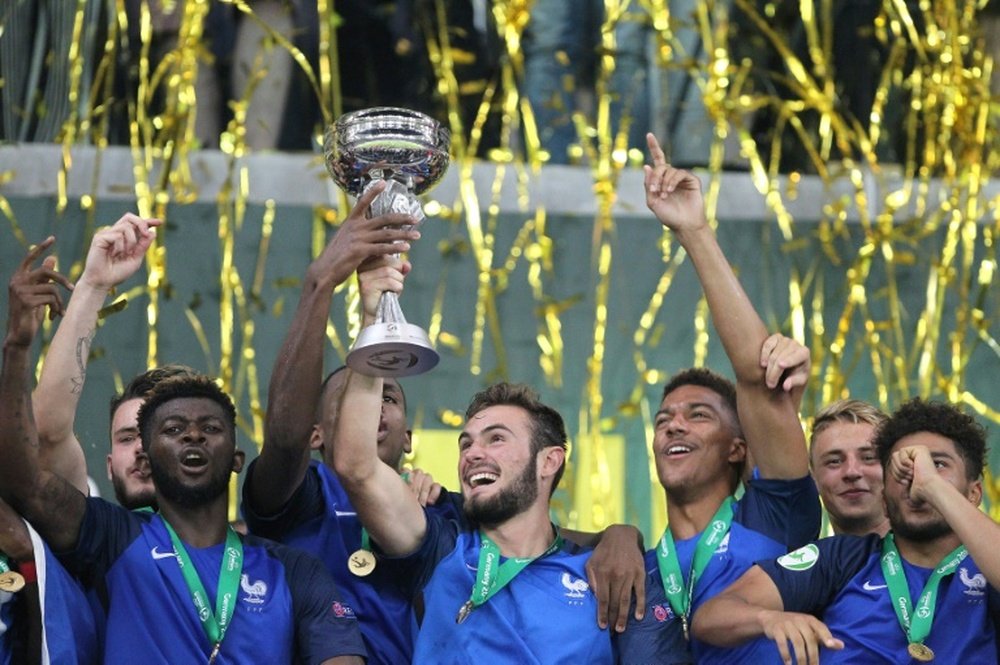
(82, 355)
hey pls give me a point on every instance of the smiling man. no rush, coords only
(926, 590)
(703, 431)
(181, 585)
(530, 601)
(846, 467)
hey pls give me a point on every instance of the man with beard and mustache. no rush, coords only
(926, 590)
(530, 601)
(179, 585)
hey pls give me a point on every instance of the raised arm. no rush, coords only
(768, 414)
(116, 252)
(296, 380)
(385, 504)
(915, 468)
(51, 504)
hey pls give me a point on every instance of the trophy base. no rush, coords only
(392, 350)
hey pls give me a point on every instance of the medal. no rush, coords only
(920, 652)
(11, 581)
(464, 611)
(215, 653)
(361, 563)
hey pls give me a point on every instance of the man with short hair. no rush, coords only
(702, 433)
(530, 601)
(846, 468)
(927, 588)
(298, 501)
(181, 585)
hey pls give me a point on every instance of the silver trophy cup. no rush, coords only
(410, 151)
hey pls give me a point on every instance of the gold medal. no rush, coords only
(11, 582)
(361, 563)
(464, 611)
(920, 652)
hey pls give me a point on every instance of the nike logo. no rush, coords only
(868, 586)
(157, 554)
(345, 513)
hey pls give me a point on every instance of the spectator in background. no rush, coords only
(562, 49)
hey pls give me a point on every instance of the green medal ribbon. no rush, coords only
(4, 564)
(230, 570)
(679, 597)
(491, 575)
(915, 623)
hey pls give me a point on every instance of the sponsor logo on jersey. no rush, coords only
(803, 558)
(724, 545)
(662, 612)
(868, 586)
(157, 554)
(255, 592)
(975, 585)
(341, 610)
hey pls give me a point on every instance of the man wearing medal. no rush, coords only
(704, 432)
(926, 591)
(298, 501)
(181, 585)
(498, 583)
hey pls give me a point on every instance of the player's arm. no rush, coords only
(54, 506)
(116, 252)
(916, 468)
(767, 415)
(616, 571)
(296, 380)
(752, 608)
(386, 506)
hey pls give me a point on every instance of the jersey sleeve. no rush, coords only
(305, 504)
(105, 532)
(416, 569)
(325, 626)
(787, 511)
(810, 577)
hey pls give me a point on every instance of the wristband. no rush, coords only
(28, 572)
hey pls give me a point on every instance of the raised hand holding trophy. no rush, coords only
(410, 151)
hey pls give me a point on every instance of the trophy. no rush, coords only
(409, 150)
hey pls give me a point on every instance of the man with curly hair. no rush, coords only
(850, 600)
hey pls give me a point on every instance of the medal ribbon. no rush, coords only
(491, 575)
(680, 599)
(230, 570)
(4, 564)
(915, 623)
(366, 542)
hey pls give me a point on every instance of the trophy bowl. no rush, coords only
(386, 142)
(410, 150)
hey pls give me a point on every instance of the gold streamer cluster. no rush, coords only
(935, 79)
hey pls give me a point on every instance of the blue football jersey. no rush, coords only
(70, 631)
(546, 614)
(287, 609)
(771, 518)
(840, 581)
(320, 519)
